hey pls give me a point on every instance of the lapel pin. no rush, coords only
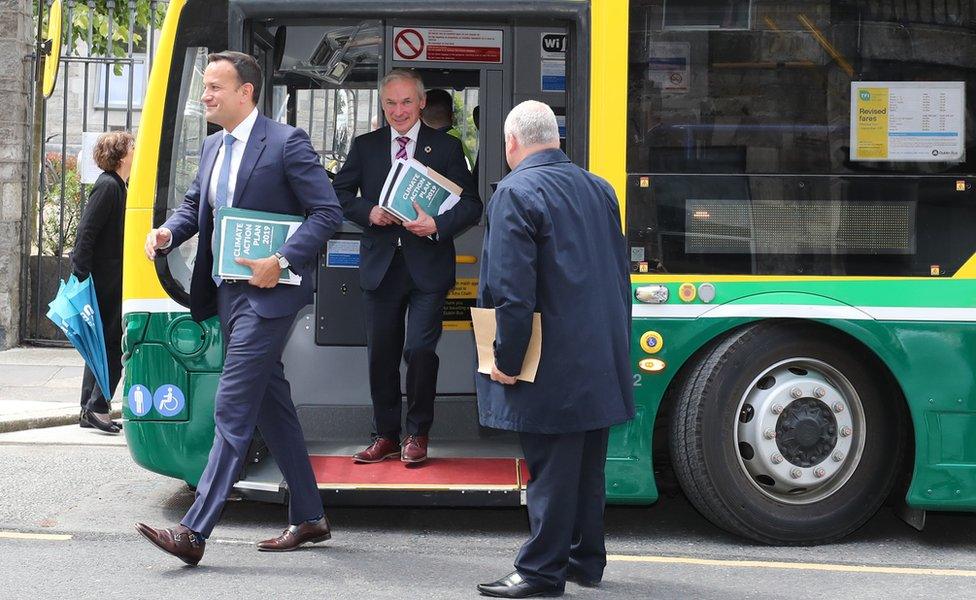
(427, 149)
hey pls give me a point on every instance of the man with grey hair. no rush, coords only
(554, 245)
(405, 268)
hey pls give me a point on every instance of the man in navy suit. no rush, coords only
(258, 164)
(405, 268)
(554, 245)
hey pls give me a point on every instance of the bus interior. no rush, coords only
(322, 74)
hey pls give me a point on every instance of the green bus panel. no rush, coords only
(933, 362)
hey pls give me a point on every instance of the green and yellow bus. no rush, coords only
(798, 198)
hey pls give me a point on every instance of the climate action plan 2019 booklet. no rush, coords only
(242, 233)
(410, 181)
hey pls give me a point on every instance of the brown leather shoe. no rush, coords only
(296, 535)
(380, 450)
(178, 541)
(414, 449)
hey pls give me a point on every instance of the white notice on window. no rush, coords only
(917, 121)
(343, 254)
(553, 76)
(447, 44)
(669, 66)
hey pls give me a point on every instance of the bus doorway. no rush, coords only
(323, 76)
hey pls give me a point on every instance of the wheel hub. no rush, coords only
(806, 432)
(799, 431)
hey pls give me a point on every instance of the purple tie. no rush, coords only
(402, 152)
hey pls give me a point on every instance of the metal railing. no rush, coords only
(53, 213)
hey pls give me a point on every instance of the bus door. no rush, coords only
(324, 75)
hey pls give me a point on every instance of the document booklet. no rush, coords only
(410, 181)
(483, 321)
(242, 233)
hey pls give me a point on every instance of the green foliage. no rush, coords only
(80, 17)
(53, 207)
(464, 122)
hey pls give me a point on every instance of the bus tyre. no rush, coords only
(785, 433)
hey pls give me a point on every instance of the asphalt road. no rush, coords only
(66, 531)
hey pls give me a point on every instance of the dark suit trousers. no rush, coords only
(565, 499)
(253, 392)
(398, 296)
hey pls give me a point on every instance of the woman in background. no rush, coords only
(98, 254)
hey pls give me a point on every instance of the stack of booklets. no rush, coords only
(253, 234)
(410, 181)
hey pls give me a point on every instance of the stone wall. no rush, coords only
(16, 33)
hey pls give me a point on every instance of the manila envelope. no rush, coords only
(483, 321)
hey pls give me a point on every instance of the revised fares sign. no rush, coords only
(447, 44)
(912, 121)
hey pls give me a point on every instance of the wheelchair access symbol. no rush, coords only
(169, 400)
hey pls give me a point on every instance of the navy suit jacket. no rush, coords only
(431, 264)
(554, 245)
(280, 172)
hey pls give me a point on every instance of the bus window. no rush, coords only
(463, 87)
(191, 129)
(333, 72)
(739, 142)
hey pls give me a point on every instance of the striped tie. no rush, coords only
(402, 152)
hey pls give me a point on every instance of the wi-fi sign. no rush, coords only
(554, 45)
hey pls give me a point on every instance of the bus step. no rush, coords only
(458, 473)
(436, 474)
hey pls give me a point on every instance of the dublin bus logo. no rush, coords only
(865, 95)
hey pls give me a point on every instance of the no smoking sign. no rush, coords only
(408, 44)
(447, 44)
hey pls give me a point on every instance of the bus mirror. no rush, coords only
(52, 44)
(281, 38)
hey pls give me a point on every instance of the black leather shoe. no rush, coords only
(514, 585)
(100, 421)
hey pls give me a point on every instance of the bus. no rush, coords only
(798, 201)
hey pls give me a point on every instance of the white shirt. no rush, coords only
(411, 145)
(241, 133)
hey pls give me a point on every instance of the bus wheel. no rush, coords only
(785, 433)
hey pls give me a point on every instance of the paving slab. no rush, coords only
(66, 435)
(40, 387)
(32, 355)
(18, 375)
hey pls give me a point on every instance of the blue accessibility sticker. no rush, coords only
(169, 400)
(140, 400)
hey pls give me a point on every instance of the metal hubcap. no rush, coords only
(800, 431)
(806, 432)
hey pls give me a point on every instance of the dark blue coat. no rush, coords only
(431, 264)
(554, 245)
(280, 172)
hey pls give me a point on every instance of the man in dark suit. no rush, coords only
(258, 164)
(404, 267)
(554, 245)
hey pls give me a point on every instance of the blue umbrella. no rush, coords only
(82, 296)
(66, 317)
(77, 308)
